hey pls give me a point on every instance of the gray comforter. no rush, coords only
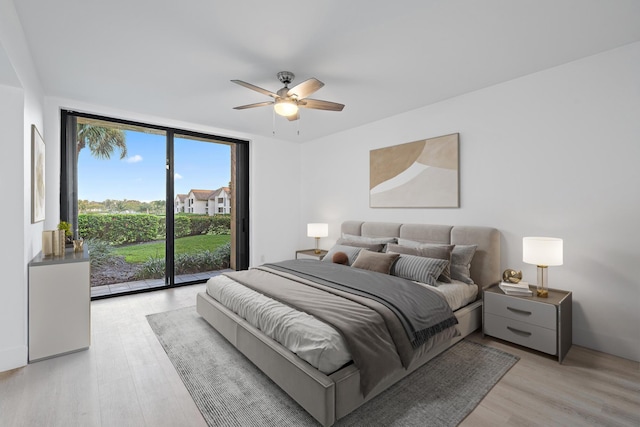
(380, 327)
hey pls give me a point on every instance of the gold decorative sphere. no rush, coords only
(511, 276)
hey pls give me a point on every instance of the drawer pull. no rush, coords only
(515, 310)
(519, 332)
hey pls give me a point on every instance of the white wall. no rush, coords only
(554, 153)
(13, 346)
(21, 100)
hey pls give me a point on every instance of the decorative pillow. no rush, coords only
(377, 247)
(461, 257)
(369, 240)
(414, 244)
(438, 252)
(351, 251)
(375, 261)
(419, 269)
(461, 262)
(340, 258)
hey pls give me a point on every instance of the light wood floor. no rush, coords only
(126, 379)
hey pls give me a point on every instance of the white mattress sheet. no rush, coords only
(458, 294)
(310, 339)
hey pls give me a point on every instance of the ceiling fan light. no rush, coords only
(285, 107)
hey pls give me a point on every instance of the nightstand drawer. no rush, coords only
(535, 337)
(521, 309)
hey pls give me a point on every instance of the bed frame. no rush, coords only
(330, 397)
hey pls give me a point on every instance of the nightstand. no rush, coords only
(310, 253)
(542, 324)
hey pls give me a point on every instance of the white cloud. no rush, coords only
(134, 159)
(177, 176)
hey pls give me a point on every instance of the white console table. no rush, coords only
(59, 304)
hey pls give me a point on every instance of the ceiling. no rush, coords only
(175, 59)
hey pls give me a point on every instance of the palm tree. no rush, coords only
(102, 141)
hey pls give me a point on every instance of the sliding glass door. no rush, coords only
(202, 207)
(156, 206)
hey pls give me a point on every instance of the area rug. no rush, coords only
(230, 391)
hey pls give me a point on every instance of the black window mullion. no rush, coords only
(69, 171)
(170, 241)
(242, 205)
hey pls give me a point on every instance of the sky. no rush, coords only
(141, 175)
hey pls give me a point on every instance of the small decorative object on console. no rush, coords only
(518, 289)
(77, 245)
(511, 276)
(65, 227)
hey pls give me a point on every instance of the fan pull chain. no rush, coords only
(273, 121)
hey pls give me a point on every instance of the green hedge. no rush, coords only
(119, 229)
(181, 226)
(200, 224)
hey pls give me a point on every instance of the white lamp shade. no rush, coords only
(317, 229)
(542, 250)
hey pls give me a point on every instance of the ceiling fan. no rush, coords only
(287, 100)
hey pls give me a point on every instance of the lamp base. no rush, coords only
(542, 290)
(317, 248)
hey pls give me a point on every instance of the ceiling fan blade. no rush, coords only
(257, 104)
(256, 88)
(318, 104)
(305, 88)
(292, 118)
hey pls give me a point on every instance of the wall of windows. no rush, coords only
(157, 206)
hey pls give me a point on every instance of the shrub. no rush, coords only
(218, 259)
(100, 252)
(221, 225)
(222, 256)
(153, 268)
(222, 220)
(181, 226)
(200, 224)
(218, 230)
(118, 228)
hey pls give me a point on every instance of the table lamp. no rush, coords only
(543, 252)
(317, 230)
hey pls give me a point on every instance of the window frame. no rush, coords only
(240, 148)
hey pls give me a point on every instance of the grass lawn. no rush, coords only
(140, 253)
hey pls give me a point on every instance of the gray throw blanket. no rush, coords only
(422, 312)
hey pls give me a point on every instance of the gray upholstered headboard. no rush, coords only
(485, 266)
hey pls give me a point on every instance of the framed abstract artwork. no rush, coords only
(37, 176)
(419, 174)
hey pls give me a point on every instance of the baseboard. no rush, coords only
(13, 358)
(606, 343)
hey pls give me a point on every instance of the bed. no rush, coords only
(329, 394)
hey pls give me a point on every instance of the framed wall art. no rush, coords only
(37, 176)
(419, 174)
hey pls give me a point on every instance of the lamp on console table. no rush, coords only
(543, 252)
(317, 230)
